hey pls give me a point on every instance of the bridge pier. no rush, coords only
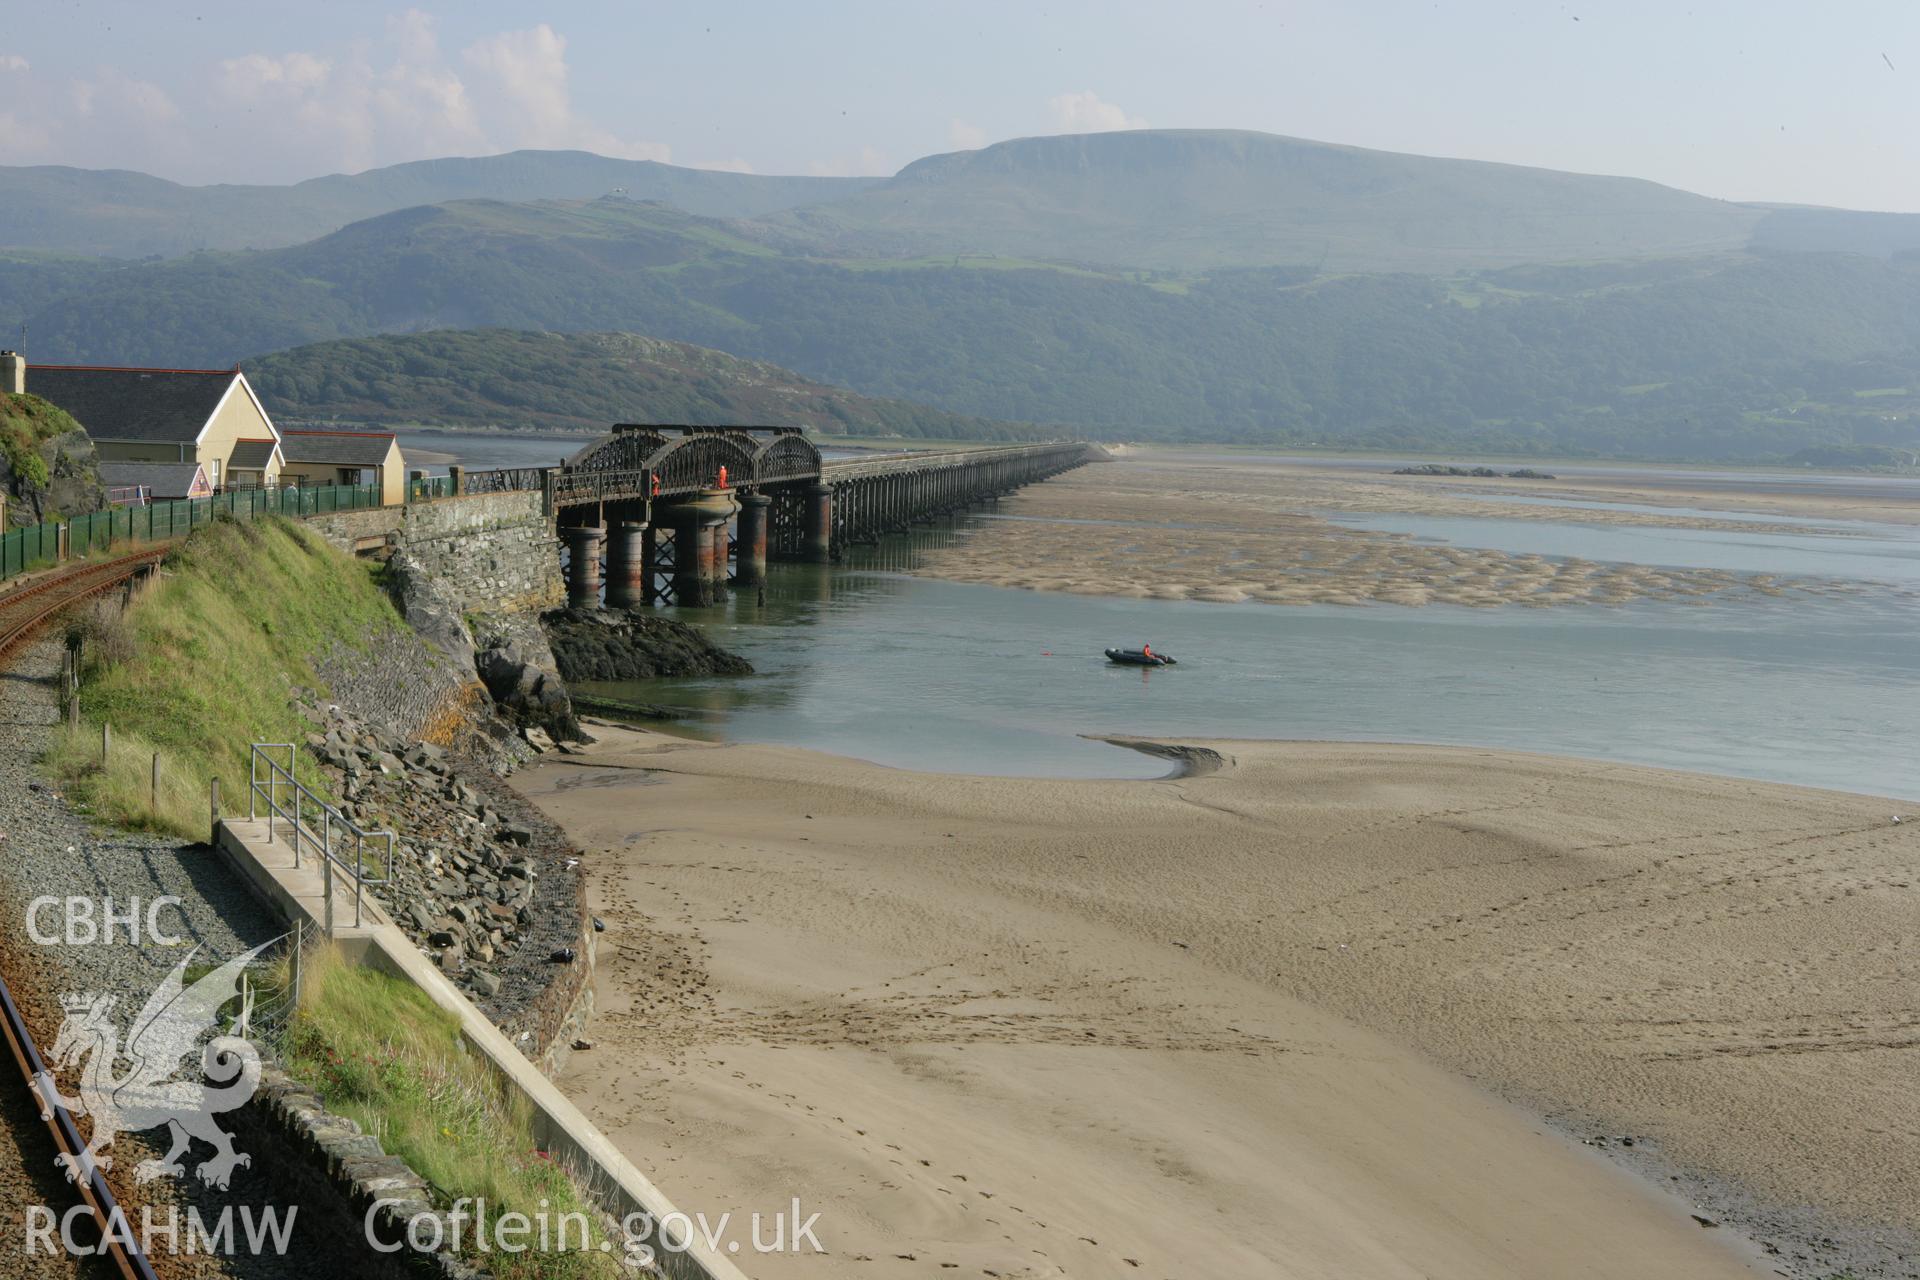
(819, 545)
(700, 548)
(583, 565)
(629, 566)
(721, 552)
(750, 564)
(692, 559)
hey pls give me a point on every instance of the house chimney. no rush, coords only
(13, 373)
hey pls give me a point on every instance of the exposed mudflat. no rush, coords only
(1159, 527)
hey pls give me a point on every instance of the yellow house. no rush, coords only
(346, 457)
(207, 416)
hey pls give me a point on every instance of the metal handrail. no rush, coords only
(269, 787)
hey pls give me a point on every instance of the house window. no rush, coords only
(213, 473)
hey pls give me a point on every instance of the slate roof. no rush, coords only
(250, 455)
(336, 448)
(161, 479)
(152, 405)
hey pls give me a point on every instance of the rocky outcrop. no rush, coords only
(430, 607)
(518, 668)
(616, 644)
(506, 652)
(47, 462)
(73, 483)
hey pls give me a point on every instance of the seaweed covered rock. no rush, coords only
(616, 644)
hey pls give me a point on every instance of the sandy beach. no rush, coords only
(1329, 1010)
(1160, 526)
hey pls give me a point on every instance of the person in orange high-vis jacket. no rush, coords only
(721, 481)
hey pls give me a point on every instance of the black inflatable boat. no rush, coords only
(1139, 658)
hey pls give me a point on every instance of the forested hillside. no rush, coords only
(1644, 346)
(1734, 356)
(505, 378)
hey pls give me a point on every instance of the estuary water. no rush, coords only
(868, 661)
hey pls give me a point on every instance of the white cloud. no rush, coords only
(966, 137)
(134, 104)
(532, 105)
(353, 113)
(412, 36)
(1084, 112)
(40, 118)
(297, 113)
(868, 162)
(257, 75)
(23, 140)
(529, 70)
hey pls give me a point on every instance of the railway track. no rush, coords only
(25, 609)
(23, 612)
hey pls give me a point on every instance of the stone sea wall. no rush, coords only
(496, 552)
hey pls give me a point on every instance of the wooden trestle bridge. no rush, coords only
(678, 513)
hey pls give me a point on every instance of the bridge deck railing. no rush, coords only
(933, 460)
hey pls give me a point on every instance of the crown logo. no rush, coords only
(77, 1001)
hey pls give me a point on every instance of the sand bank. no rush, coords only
(1300, 1016)
(1159, 527)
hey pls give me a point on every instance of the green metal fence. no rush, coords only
(104, 531)
(427, 488)
(29, 548)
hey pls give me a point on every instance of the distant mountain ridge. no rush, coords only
(1196, 200)
(1178, 200)
(1738, 355)
(985, 284)
(120, 213)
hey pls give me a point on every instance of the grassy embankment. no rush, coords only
(381, 1052)
(203, 663)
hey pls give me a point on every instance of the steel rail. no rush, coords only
(116, 1245)
(42, 600)
(56, 591)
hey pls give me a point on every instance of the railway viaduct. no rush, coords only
(654, 514)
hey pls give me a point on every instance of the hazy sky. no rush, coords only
(1818, 103)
